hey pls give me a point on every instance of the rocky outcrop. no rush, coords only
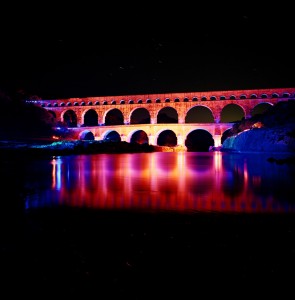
(278, 139)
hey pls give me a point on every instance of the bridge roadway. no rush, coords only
(154, 130)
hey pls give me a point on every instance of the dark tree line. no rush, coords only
(21, 119)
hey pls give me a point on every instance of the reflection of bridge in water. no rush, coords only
(184, 113)
(182, 182)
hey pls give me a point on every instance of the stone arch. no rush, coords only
(113, 116)
(260, 108)
(199, 114)
(138, 136)
(90, 117)
(86, 135)
(69, 118)
(111, 136)
(140, 115)
(167, 114)
(227, 110)
(199, 140)
(166, 137)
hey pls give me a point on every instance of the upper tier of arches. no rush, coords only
(181, 107)
(172, 97)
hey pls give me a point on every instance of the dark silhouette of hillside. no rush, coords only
(280, 114)
(23, 120)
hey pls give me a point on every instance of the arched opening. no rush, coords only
(167, 115)
(167, 138)
(70, 118)
(114, 117)
(87, 135)
(199, 114)
(91, 118)
(112, 136)
(231, 113)
(260, 108)
(199, 141)
(140, 116)
(139, 137)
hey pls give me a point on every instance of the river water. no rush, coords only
(132, 225)
(180, 182)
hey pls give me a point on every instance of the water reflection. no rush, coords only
(215, 181)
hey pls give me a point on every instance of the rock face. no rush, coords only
(278, 139)
(272, 131)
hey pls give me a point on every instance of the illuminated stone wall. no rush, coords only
(215, 101)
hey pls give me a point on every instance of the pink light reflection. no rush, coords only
(160, 181)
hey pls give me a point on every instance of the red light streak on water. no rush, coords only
(159, 181)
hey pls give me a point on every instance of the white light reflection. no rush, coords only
(56, 172)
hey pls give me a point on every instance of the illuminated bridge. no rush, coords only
(161, 119)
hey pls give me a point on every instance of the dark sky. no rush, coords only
(56, 51)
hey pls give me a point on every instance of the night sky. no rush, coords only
(61, 52)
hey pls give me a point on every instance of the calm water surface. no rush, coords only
(147, 226)
(183, 182)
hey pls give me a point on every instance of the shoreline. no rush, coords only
(47, 147)
(67, 147)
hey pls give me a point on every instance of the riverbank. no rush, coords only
(110, 253)
(67, 147)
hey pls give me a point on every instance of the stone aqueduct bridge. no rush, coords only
(215, 101)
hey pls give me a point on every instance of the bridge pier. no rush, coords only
(180, 140)
(217, 140)
(152, 140)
